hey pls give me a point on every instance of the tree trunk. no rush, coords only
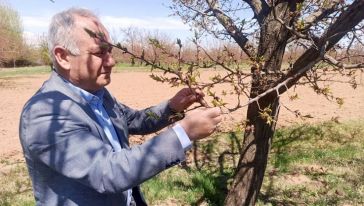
(261, 115)
(251, 168)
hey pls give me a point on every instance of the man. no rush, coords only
(74, 134)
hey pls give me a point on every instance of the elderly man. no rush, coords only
(74, 133)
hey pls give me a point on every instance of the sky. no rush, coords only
(115, 14)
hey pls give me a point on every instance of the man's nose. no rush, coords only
(109, 60)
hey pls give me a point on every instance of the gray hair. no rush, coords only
(60, 31)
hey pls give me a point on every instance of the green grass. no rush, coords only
(24, 71)
(320, 164)
(317, 164)
(27, 71)
(15, 185)
(187, 187)
(327, 157)
(37, 70)
(125, 67)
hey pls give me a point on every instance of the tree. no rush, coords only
(11, 39)
(318, 26)
(42, 51)
(324, 32)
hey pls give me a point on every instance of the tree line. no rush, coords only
(15, 51)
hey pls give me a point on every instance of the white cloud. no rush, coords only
(31, 38)
(35, 22)
(146, 23)
(42, 22)
(35, 26)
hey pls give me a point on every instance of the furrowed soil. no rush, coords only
(138, 90)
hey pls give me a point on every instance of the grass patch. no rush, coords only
(27, 71)
(317, 164)
(320, 164)
(15, 185)
(124, 67)
(24, 71)
(187, 187)
(37, 70)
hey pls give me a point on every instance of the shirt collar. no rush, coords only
(93, 99)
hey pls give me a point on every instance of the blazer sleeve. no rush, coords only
(149, 120)
(55, 134)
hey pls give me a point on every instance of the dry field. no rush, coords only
(138, 90)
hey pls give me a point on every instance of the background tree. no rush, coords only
(11, 39)
(42, 51)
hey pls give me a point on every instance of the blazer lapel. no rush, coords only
(60, 85)
(117, 119)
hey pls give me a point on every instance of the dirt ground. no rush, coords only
(138, 90)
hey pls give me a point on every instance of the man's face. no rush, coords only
(91, 69)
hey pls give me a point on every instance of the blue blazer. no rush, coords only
(69, 157)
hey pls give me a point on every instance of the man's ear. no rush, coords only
(62, 57)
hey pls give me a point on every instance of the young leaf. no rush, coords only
(91, 33)
(152, 115)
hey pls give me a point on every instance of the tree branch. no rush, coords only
(260, 9)
(344, 23)
(320, 14)
(291, 29)
(232, 29)
(342, 65)
(284, 85)
(198, 12)
(347, 20)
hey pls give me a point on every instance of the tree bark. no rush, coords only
(259, 131)
(252, 164)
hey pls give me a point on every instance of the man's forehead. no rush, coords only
(90, 23)
(93, 25)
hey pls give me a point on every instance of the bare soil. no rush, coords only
(138, 90)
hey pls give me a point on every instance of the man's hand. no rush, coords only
(200, 123)
(185, 98)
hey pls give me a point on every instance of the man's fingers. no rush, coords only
(217, 119)
(214, 112)
(199, 93)
(193, 98)
(193, 91)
